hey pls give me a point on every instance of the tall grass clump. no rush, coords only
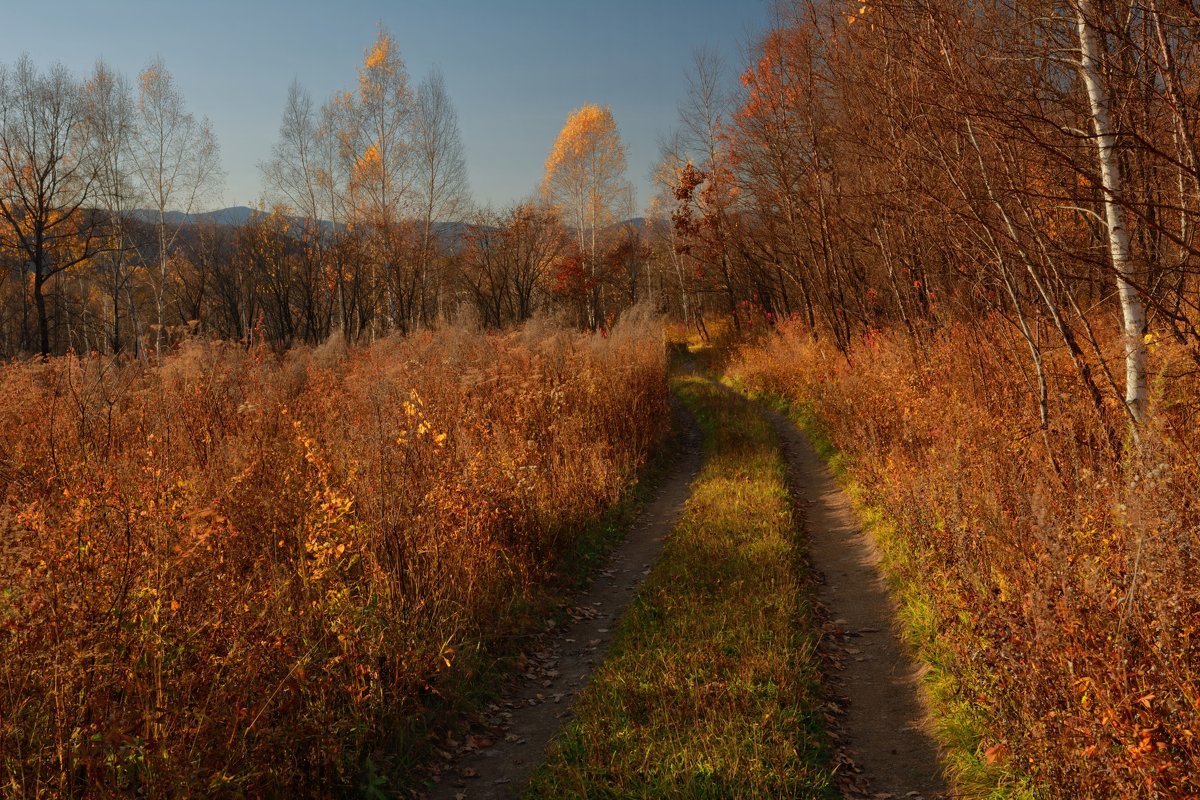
(244, 573)
(1055, 565)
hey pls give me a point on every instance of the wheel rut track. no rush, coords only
(537, 704)
(882, 746)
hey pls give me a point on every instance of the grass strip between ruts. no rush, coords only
(710, 689)
(958, 723)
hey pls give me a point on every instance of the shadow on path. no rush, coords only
(884, 748)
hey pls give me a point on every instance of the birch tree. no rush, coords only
(177, 163)
(585, 179)
(374, 136)
(1091, 68)
(382, 107)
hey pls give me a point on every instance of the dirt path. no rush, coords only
(498, 760)
(883, 750)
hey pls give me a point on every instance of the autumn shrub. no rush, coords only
(239, 573)
(1059, 569)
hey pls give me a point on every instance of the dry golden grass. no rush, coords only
(241, 573)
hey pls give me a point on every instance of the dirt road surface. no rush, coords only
(883, 748)
(498, 761)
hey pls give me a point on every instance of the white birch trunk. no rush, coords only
(1132, 310)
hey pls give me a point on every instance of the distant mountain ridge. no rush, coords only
(236, 216)
(450, 233)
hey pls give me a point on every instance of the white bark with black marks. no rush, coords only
(1132, 309)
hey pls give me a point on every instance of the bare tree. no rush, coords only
(293, 175)
(441, 175)
(110, 114)
(662, 227)
(483, 269)
(535, 240)
(332, 170)
(703, 116)
(177, 163)
(47, 177)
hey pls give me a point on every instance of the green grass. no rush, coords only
(960, 724)
(710, 690)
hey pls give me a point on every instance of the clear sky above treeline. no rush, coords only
(514, 68)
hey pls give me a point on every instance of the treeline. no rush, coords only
(921, 161)
(907, 162)
(366, 225)
(77, 157)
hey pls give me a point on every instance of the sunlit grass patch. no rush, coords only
(710, 689)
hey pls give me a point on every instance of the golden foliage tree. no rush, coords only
(585, 179)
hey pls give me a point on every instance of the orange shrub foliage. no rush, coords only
(240, 573)
(1063, 579)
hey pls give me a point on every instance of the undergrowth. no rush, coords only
(1047, 583)
(236, 573)
(960, 724)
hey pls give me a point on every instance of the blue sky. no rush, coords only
(514, 68)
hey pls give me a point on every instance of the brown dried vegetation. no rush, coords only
(243, 573)
(1060, 580)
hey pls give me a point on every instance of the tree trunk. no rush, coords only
(39, 299)
(1132, 309)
